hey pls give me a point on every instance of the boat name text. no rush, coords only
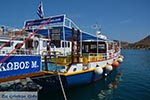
(18, 65)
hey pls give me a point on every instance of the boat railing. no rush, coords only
(85, 59)
(19, 52)
(62, 60)
(4, 52)
(97, 57)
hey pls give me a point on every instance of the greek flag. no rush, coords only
(40, 11)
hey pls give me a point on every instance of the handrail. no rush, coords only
(97, 56)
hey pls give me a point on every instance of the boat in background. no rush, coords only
(56, 51)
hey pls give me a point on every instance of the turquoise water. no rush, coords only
(130, 82)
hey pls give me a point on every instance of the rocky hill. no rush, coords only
(142, 44)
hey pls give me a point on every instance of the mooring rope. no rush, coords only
(64, 94)
(8, 55)
(15, 36)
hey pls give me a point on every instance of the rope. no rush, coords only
(16, 35)
(62, 87)
(6, 57)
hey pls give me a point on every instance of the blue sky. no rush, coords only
(125, 20)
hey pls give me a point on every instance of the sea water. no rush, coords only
(131, 81)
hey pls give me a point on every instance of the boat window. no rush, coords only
(64, 44)
(56, 34)
(67, 23)
(93, 48)
(56, 37)
(85, 48)
(44, 43)
(29, 44)
(68, 44)
(102, 48)
(56, 43)
(110, 46)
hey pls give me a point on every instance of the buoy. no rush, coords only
(98, 70)
(122, 56)
(115, 64)
(109, 67)
(120, 59)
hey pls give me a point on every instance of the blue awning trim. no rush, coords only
(68, 34)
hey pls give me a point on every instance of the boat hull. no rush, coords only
(52, 82)
(13, 66)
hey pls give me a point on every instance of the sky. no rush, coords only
(124, 20)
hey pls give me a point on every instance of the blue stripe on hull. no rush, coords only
(79, 79)
(19, 65)
(52, 82)
(83, 78)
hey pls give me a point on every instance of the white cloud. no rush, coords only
(124, 21)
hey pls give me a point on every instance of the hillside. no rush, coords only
(145, 41)
(141, 44)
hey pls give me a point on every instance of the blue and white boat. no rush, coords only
(58, 50)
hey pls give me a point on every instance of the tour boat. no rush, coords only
(55, 52)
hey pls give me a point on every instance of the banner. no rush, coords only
(19, 65)
(53, 20)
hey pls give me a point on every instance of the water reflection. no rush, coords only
(100, 90)
(109, 89)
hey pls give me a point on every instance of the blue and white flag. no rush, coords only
(40, 11)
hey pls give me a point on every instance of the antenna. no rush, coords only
(98, 31)
(97, 28)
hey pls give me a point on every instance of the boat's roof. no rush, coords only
(59, 21)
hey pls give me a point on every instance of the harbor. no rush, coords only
(61, 50)
(57, 56)
(123, 80)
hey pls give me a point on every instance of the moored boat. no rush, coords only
(76, 56)
(60, 52)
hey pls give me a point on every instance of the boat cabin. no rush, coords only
(6, 45)
(65, 43)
